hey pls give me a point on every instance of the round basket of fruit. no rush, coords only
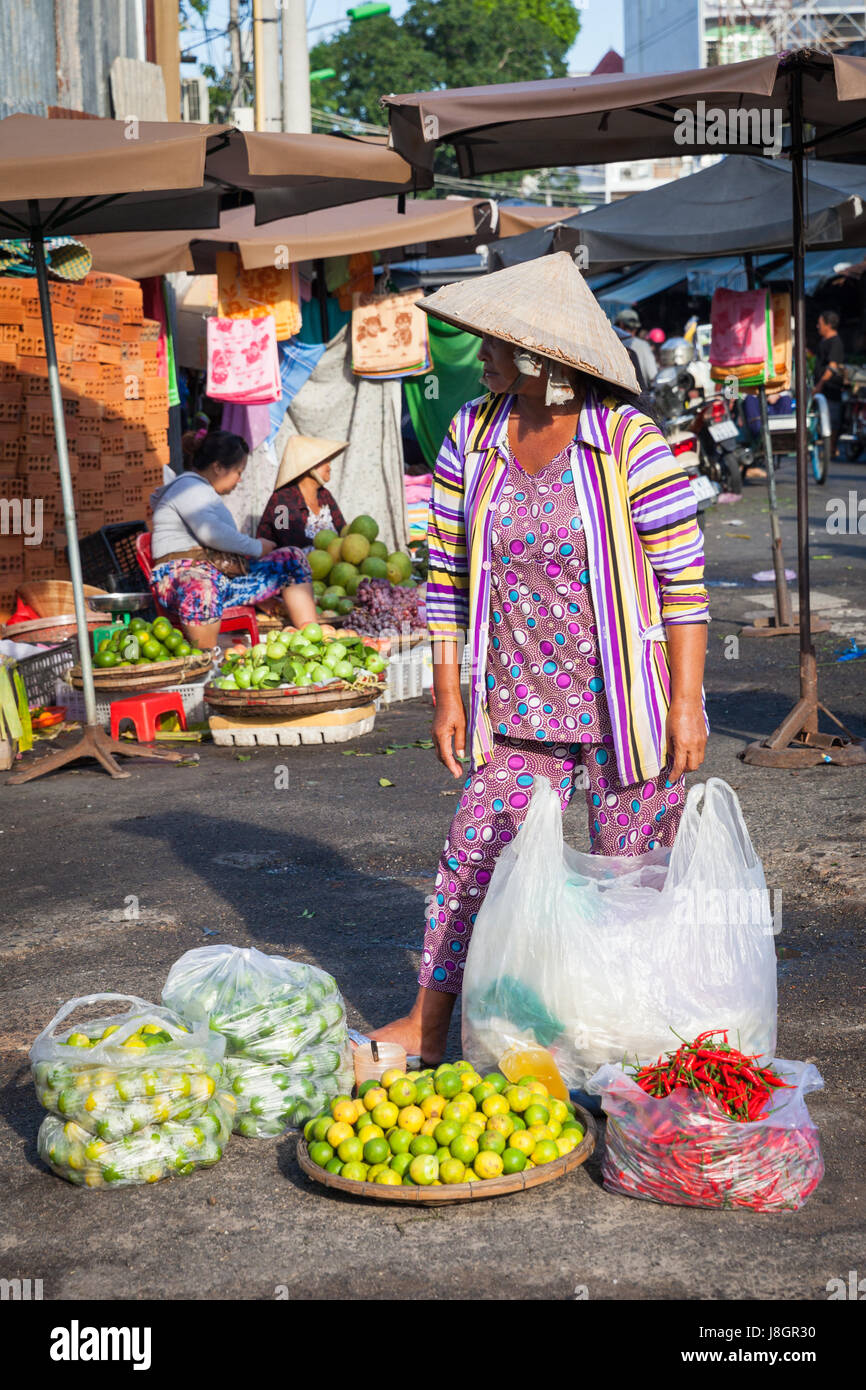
(356, 577)
(296, 669)
(447, 1135)
(144, 655)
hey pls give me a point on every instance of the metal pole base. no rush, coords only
(769, 626)
(796, 742)
(94, 743)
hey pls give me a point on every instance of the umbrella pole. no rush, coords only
(797, 741)
(782, 622)
(94, 743)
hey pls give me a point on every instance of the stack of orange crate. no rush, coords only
(115, 404)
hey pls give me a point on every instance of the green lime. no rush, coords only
(377, 1150)
(321, 1127)
(423, 1144)
(321, 1153)
(536, 1115)
(400, 1163)
(513, 1161)
(351, 1150)
(491, 1141)
(366, 1086)
(446, 1131)
(465, 1148)
(448, 1084)
(496, 1080)
(399, 1140)
(334, 1165)
(104, 659)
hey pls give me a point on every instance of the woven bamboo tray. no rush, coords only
(289, 700)
(459, 1191)
(154, 676)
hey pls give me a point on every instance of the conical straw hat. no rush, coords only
(544, 305)
(302, 453)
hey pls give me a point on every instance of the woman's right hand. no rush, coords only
(267, 547)
(449, 733)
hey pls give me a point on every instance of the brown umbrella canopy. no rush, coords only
(622, 116)
(101, 176)
(452, 225)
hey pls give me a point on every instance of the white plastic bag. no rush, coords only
(133, 1095)
(603, 959)
(284, 1023)
(684, 1150)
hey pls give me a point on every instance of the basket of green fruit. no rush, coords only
(296, 670)
(145, 656)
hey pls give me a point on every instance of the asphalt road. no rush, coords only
(334, 870)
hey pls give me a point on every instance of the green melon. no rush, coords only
(321, 564)
(375, 567)
(379, 549)
(323, 539)
(365, 526)
(355, 548)
(341, 574)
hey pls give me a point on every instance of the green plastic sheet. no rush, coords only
(453, 379)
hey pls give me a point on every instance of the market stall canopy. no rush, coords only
(113, 176)
(624, 116)
(740, 204)
(451, 225)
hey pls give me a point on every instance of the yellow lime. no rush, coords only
(545, 1151)
(344, 1112)
(488, 1165)
(519, 1098)
(452, 1170)
(375, 1096)
(433, 1105)
(522, 1140)
(338, 1131)
(424, 1170)
(495, 1104)
(390, 1076)
(385, 1113)
(388, 1178)
(411, 1118)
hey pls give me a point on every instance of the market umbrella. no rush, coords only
(741, 204)
(64, 177)
(455, 224)
(733, 108)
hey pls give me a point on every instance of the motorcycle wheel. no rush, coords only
(820, 459)
(732, 478)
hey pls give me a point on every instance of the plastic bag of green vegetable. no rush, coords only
(284, 1023)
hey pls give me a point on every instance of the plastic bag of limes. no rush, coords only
(140, 1072)
(287, 1048)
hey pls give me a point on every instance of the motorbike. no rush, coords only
(701, 432)
(783, 432)
(852, 440)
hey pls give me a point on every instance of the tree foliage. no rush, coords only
(443, 43)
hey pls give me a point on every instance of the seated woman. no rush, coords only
(300, 505)
(202, 563)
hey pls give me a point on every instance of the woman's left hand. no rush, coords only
(686, 733)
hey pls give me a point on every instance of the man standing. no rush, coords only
(829, 360)
(629, 321)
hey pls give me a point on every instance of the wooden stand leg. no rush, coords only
(94, 743)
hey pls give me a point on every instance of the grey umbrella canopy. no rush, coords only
(742, 204)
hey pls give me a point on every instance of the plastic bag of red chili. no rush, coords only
(686, 1148)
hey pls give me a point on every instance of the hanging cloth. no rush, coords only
(739, 328)
(264, 290)
(389, 335)
(242, 362)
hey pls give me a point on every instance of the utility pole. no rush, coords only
(235, 51)
(266, 59)
(296, 67)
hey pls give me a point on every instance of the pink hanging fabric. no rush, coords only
(242, 360)
(739, 327)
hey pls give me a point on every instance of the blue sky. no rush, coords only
(601, 29)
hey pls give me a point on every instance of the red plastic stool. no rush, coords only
(144, 710)
(242, 622)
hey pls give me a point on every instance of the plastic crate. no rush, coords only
(192, 697)
(405, 676)
(110, 551)
(43, 672)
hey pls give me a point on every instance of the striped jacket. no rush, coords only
(645, 553)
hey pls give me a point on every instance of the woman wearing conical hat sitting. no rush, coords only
(300, 505)
(564, 547)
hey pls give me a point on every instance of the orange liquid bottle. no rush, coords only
(529, 1059)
